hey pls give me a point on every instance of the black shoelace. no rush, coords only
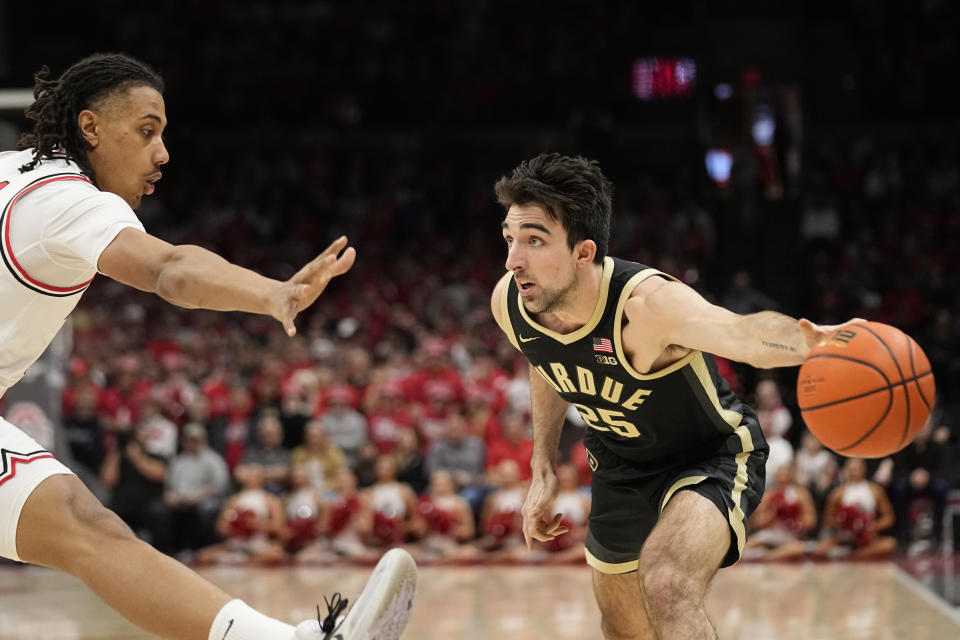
(335, 607)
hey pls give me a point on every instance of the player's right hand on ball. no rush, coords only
(817, 334)
(539, 523)
(300, 291)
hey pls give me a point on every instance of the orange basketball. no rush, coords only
(866, 391)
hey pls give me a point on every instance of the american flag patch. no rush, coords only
(603, 344)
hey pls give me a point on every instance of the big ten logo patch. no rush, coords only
(605, 359)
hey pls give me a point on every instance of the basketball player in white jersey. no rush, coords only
(66, 213)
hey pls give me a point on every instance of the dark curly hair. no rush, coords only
(573, 190)
(85, 85)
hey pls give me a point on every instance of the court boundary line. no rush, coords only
(925, 594)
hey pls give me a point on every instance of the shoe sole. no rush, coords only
(385, 605)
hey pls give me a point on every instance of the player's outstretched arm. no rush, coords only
(681, 316)
(195, 278)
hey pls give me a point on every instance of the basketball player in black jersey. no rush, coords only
(677, 459)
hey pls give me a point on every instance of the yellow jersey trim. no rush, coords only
(618, 330)
(732, 418)
(505, 310)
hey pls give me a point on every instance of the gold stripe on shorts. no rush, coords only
(611, 568)
(680, 484)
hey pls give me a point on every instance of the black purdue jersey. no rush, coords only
(684, 411)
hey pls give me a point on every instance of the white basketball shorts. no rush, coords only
(24, 464)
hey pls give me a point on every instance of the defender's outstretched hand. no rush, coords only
(818, 333)
(300, 291)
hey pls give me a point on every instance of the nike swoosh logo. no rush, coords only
(229, 626)
(522, 339)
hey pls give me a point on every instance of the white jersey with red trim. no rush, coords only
(54, 223)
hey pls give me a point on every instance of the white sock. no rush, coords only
(237, 621)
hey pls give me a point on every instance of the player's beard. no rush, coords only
(551, 300)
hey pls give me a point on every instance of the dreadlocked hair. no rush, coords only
(84, 85)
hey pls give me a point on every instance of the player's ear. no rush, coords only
(585, 250)
(89, 123)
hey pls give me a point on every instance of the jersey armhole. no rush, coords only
(619, 310)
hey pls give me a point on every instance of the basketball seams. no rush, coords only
(872, 429)
(906, 391)
(838, 420)
(876, 335)
(896, 362)
(856, 360)
(889, 387)
(913, 370)
(867, 393)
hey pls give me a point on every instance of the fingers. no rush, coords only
(812, 327)
(329, 255)
(535, 528)
(345, 261)
(335, 247)
(311, 280)
(527, 537)
(319, 271)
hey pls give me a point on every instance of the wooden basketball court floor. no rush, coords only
(847, 601)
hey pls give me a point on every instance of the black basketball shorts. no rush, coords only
(628, 498)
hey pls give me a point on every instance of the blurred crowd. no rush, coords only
(311, 449)
(400, 415)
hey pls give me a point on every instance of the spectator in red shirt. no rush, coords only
(387, 416)
(78, 384)
(435, 373)
(119, 402)
(487, 375)
(513, 445)
(480, 413)
(237, 429)
(441, 405)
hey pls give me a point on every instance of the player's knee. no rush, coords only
(622, 616)
(79, 526)
(93, 520)
(664, 588)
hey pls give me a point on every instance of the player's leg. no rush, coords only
(63, 526)
(683, 552)
(622, 514)
(48, 517)
(623, 615)
(702, 527)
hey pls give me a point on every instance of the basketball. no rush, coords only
(866, 391)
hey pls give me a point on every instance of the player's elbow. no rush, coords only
(172, 278)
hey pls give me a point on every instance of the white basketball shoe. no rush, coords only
(380, 613)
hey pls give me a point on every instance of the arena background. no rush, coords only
(799, 156)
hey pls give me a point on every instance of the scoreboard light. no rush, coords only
(664, 78)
